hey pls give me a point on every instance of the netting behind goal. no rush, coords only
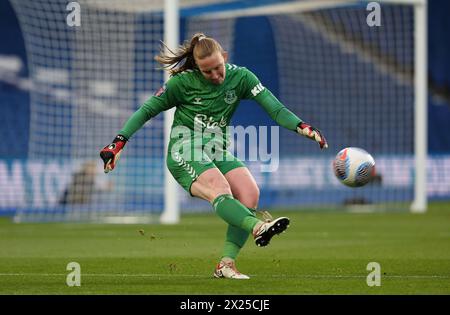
(355, 82)
(87, 80)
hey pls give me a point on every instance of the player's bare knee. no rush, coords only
(251, 199)
(249, 204)
(218, 184)
(215, 188)
(255, 196)
(221, 188)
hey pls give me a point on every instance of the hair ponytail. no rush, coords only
(200, 46)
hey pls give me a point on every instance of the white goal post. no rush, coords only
(419, 204)
(171, 213)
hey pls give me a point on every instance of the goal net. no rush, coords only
(357, 83)
(87, 80)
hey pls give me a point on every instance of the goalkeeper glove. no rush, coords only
(111, 153)
(313, 134)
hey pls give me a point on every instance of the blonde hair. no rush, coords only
(200, 46)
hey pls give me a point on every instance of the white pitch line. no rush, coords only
(204, 276)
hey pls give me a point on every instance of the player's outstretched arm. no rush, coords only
(287, 119)
(279, 113)
(111, 153)
(312, 133)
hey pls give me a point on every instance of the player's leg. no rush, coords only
(204, 180)
(244, 188)
(211, 185)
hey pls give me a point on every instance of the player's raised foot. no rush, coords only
(228, 270)
(267, 230)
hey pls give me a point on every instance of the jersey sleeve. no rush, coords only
(253, 89)
(164, 99)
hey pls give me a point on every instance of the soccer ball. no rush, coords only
(354, 167)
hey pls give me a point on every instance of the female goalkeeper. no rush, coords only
(206, 91)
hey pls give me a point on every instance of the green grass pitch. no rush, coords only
(321, 253)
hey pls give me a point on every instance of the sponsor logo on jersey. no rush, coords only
(209, 122)
(161, 90)
(257, 89)
(230, 97)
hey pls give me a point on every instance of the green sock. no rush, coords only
(235, 213)
(235, 240)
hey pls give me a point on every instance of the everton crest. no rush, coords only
(230, 97)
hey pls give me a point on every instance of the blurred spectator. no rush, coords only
(83, 185)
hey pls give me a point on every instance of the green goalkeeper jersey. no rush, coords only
(201, 104)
